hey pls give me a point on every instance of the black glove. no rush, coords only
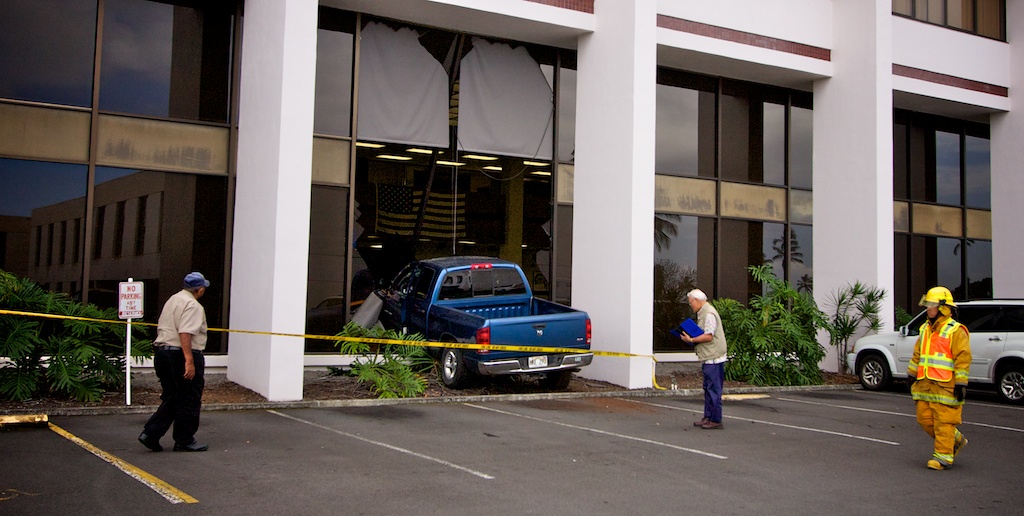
(910, 383)
(960, 391)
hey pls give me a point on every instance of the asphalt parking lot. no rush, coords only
(803, 452)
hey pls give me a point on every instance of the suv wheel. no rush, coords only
(873, 372)
(1010, 383)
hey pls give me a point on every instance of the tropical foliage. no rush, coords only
(774, 340)
(391, 370)
(59, 356)
(852, 310)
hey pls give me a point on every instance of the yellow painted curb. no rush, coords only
(26, 419)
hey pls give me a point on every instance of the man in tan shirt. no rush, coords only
(179, 364)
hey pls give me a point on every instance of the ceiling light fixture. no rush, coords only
(450, 163)
(479, 157)
(393, 157)
(369, 145)
(536, 163)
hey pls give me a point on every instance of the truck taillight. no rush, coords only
(483, 336)
(590, 332)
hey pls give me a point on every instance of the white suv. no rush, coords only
(997, 348)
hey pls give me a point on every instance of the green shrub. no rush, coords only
(60, 357)
(852, 309)
(774, 341)
(391, 370)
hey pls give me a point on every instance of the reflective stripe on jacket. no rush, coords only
(936, 361)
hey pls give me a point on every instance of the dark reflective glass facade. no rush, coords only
(941, 172)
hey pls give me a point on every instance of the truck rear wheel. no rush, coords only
(557, 380)
(454, 373)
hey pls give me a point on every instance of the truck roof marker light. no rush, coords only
(476, 266)
(483, 336)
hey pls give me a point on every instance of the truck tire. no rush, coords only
(454, 372)
(557, 380)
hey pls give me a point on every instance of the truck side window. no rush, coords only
(423, 285)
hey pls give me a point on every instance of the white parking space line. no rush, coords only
(597, 431)
(772, 423)
(388, 446)
(886, 412)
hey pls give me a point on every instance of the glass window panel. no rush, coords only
(563, 255)
(948, 265)
(979, 269)
(331, 161)
(901, 216)
(947, 168)
(676, 135)
(899, 161)
(929, 10)
(774, 143)
(902, 268)
(801, 206)
(753, 202)
(904, 7)
(167, 60)
(801, 258)
(567, 115)
(680, 265)
(185, 224)
(922, 182)
(958, 14)
(735, 141)
(741, 245)
(979, 224)
(39, 37)
(36, 199)
(937, 220)
(684, 195)
(774, 247)
(566, 176)
(990, 18)
(44, 133)
(977, 172)
(328, 223)
(801, 136)
(334, 50)
(162, 145)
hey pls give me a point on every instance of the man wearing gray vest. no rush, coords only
(711, 351)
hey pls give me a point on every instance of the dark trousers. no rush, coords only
(181, 399)
(714, 381)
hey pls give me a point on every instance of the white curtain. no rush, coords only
(403, 90)
(505, 103)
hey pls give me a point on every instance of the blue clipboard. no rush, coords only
(690, 328)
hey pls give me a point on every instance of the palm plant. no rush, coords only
(391, 370)
(79, 356)
(852, 309)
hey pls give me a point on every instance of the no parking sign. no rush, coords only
(129, 299)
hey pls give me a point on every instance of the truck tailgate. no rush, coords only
(565, 330)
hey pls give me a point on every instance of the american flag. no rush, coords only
(399, 206)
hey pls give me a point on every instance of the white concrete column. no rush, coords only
(271, 231)
(1007, 132)
(853, 203)
(613, 204)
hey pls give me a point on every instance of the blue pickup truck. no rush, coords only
(482, 300)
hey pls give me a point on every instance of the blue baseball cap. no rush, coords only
(196, 280)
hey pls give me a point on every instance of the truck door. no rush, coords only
(417, 302)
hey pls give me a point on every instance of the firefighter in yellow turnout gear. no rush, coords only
(938, 376)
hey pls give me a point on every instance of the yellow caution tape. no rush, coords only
(426, 344)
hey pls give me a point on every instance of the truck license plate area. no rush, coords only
(538, 361)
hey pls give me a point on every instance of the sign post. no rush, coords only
(129, 306)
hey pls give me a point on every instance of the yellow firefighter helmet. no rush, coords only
(937, 296)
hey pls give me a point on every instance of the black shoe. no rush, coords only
(149, 442)
(191, 447)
